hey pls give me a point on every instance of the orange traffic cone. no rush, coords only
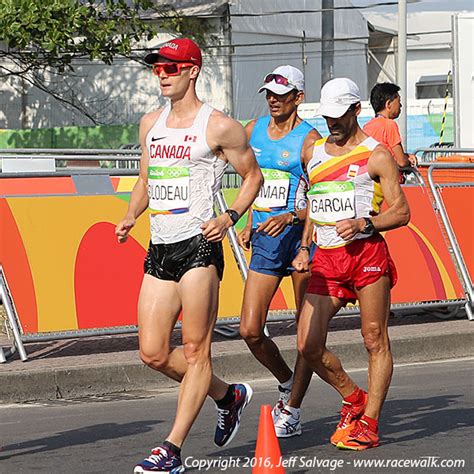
(267, 452)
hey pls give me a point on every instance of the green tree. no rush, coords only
(43, 38)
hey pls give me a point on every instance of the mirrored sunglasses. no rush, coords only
(170, 69)
(279, 79)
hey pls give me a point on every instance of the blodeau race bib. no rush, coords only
(168, 189)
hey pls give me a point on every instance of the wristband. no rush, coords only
(369, 228)
(295, 219)
(234, 215)
(304, 247)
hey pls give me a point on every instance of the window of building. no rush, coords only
(433, 87)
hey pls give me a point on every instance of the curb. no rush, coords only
(82, 381)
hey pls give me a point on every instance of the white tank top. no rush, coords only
(341, 188)
(184, 176)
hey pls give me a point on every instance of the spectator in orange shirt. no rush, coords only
(385, 101)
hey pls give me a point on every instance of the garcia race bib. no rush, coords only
(168, 189)
(330, 202)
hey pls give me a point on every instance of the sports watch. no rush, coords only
(296, 220)
(234, 215)
(369, 228)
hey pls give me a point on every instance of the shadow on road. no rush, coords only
(82, 436)
(402, 420)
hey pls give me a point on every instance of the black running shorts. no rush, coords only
(172, 261)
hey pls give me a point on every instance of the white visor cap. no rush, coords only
(293, 75)
(337, 95)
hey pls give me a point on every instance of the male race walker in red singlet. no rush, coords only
(185, 149)
(350, 175)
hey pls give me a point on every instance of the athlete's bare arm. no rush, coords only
(301, 262)
(306, 155)
(244, 235)
(228, 138)
(302, 258)
(139, 197)
(249, 128)
(382, 168)
(308, 147)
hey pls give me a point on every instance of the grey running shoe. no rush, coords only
(280, 404)
(289, 423)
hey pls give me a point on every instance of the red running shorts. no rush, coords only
(339, 271)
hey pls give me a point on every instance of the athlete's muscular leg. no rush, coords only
(375, 309)
(303, 372)
(316, 313)
(199, 292)
(258, 294)
(158, 309)
(159, 305)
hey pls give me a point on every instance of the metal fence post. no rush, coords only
(5, 297)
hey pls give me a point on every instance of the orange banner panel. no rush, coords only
(425, 269)
(67, 272)
(459, 204)
(39, 186)
(16, 267)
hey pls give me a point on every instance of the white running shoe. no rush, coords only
(280, 404)
(289, 423)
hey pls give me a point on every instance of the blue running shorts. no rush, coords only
(273, 255)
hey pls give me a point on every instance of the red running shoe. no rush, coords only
(350, 413)
(360, 438)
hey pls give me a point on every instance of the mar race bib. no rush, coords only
(168, 189)
(330, 202)
(273, 194)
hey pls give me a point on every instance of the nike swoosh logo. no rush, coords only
(153, 139)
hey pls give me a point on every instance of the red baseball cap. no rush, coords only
(179, 49)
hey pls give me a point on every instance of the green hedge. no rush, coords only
(102, 136)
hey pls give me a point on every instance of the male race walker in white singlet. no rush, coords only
(185, 149)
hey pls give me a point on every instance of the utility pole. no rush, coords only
(304, 58)
(402, 67)
(327, 37)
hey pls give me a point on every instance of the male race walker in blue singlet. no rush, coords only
(282, 143)
(185, 149)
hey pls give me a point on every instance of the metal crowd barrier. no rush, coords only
(429, 157)
(429, 160)
(231, 180)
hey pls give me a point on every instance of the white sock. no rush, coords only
(288, 384)
(294, 411)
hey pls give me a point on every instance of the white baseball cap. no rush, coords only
(337, 95)
(283, 80)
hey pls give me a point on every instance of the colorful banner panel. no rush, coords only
(459, 205)
(425, 269)
(66, 270)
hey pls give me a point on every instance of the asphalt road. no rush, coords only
(428, 419)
